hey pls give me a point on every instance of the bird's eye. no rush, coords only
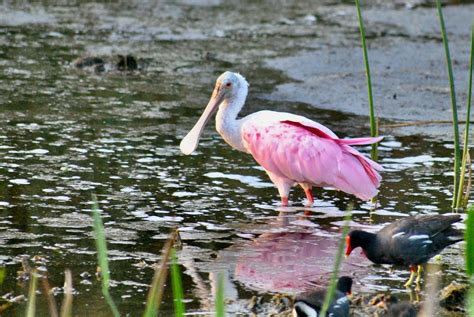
(228, 84)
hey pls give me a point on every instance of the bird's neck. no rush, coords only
(227, 123)
(367, 241)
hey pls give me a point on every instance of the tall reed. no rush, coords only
(460, 202)
(454, 109)
(102, 258)
(337, 264)
(373, 122)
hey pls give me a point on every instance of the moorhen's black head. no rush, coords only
(358, 238)
(344, 285)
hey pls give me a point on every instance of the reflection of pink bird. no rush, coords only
(291, 148)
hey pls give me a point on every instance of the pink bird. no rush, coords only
(292, 149)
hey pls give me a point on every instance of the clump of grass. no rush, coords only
(176, 284)
(461, 202)
(454, 109)
(337, 264)
(373, 123)
(220, 296)
(102, 258)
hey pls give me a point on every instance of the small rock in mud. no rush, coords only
(452, 296)
(101, 64)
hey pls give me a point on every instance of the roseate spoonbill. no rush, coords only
(409, 241)
(291, 148)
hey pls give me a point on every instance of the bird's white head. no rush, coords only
(229, 86)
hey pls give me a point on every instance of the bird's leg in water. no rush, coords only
(418, 278)
(309, 194)
(284, 201)
(412, 276)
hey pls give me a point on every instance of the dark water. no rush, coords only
(66, 134)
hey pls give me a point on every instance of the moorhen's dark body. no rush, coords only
(409, 241)
(309, 304)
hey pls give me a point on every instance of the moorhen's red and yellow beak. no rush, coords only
(348, 246)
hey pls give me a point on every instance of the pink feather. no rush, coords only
(298, 152)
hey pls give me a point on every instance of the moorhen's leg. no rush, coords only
(412, 276)
(418, 278)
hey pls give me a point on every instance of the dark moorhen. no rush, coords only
(409, 241)
(309, 304)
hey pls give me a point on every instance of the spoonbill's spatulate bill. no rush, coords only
(292, 149)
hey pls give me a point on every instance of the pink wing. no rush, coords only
(307, 154)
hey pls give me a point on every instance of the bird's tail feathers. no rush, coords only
(359, 141)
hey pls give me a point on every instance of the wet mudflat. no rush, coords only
(66, 133)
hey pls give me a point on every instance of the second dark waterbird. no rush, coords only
(409, 241)
(309, 304)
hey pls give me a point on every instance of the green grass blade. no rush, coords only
(454, 108)
(469, 238)
(470, 298)
(220, 296)
(102, 258)
(337, 264)
(159, 278)
(31, 308)
(177, 286)
(373, 122)
(460, 200)
(3, 274)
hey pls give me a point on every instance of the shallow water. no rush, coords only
(66, 134)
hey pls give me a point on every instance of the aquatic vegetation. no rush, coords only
(176, 284)
(337, 264)
(159, 278)
(469, 238)
(219, 300)
(454, 109)
(463, 194)
(66, 307)
(48, 293)
(31, 308)
(373, 122)
(102, 257)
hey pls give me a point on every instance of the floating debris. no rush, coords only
(101, 64)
